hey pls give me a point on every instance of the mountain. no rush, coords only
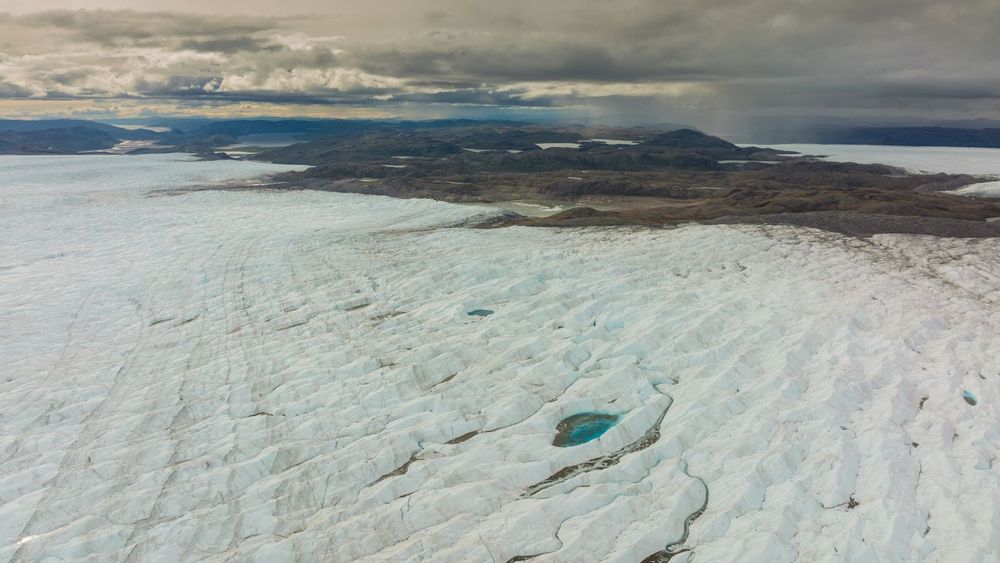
(32, 125)
(689, 139)
(488, 148)
(241, 127)
(311, 128)
(67, 140)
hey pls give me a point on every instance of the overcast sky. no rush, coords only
(620, 60)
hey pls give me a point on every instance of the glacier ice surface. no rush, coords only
(948, 160)
(264, 376)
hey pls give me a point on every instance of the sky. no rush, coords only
(621, 62)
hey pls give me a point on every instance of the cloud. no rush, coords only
(11, 90)
(127, 27)
(234, 44)
(684, 57)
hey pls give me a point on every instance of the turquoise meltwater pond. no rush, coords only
(582, 428)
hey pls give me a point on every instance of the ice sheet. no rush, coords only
(265, 376)
(950, 160)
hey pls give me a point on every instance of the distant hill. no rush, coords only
(362, 148)
(689, 139)
(325, 141)
(241, 127)
(33, 125)
(324, 127)
(484, 149)
(68, 140)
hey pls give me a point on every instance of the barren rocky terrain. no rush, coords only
(652, 178)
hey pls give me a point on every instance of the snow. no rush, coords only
(982, 189)
(948, 160)
(612, 142)
(623, 142)
(144, 127)
(279, 376)
(544, 146)
(526, 208)
(125, 147)
(511, 151)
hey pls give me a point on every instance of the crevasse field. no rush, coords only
(294, 376)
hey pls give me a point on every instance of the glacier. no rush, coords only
(917, 160)
(982, 162)
(257, 375)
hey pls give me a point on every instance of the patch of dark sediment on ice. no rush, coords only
(401, 470)
(676, 548)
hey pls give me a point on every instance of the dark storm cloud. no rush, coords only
(472, 96)
(125, 27)
(573, 60)
(650, 41)
(679, 56)
(8, 90)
